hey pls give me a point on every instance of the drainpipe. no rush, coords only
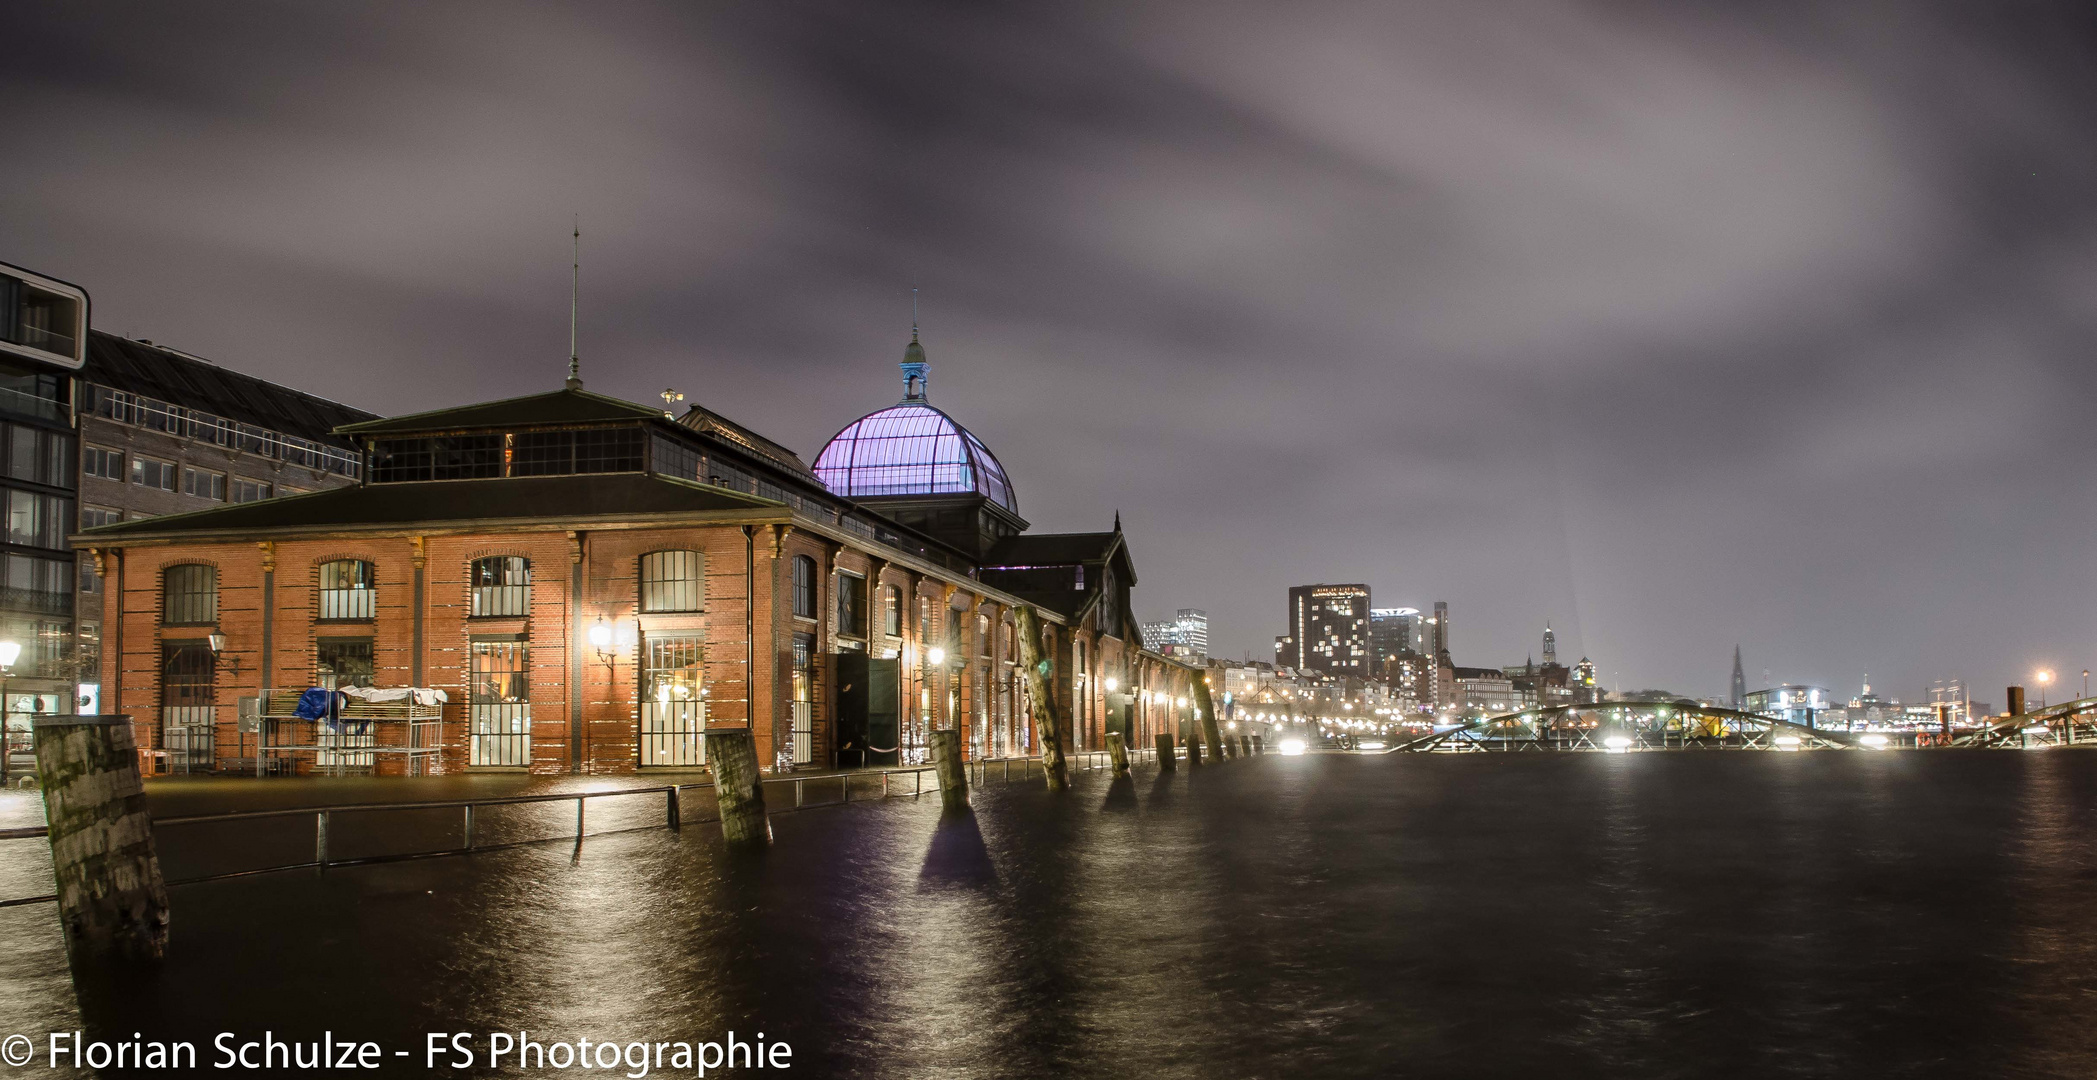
(750, 631)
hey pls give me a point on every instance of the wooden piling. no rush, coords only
(1041, 698)
(1209, 732)
(112, 901)
(1118, 750)
(1168, 759)
(739, 786)
(1259, 744)
(953, 775)
(1193, 748)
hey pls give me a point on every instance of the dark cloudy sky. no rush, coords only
(1761, 323)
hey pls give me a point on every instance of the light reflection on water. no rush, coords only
(1685, 914)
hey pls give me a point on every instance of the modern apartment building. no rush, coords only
(164, 432)
(1328, 630)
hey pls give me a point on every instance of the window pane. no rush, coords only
(190, 594)
(347, 590)
(501, 585)
(341, 663)
(673, 581)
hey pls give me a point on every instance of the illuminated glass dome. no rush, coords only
(911, 448)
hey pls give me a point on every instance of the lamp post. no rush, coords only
(2045, 678)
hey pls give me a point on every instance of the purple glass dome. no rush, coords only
(911, 448)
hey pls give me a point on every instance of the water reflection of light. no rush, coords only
(1617, 744)
(1291, 746)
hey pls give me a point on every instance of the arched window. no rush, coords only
(804, 587)
(501, 585)
(673, 581)
(347, 589)
(892, 597)
(189, 595)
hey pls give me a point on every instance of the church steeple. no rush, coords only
(1739, 681)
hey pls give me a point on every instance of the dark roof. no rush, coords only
(1051, 549)
(155, 371)
(707, 422)
(614, 496)
(557, 407)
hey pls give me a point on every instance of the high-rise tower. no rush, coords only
(1550, 646)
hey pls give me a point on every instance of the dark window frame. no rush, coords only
(189, 595)
(806, 603)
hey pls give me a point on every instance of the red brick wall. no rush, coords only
(743, 687)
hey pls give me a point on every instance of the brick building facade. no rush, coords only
(592, 583)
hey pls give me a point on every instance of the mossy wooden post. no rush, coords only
(1259, 745)
(1209, 732)
(111, 899)
(739, 787)
(1194, 747)
(1244, 746)
(1118, 750)
(953, 777)
(1043, 700)
(1168, 759)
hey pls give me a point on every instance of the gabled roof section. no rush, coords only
(192, 382)
(556, 407)
(438, 503)
(707, 422)
(1052, 549)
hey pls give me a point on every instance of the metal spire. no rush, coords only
(913, 313)
(574, 302)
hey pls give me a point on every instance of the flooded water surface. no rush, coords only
(1679, 914)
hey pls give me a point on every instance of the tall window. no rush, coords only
(189, 595)
(803, 749)
(37, 520)
(502, 585)
(804, 587)
(187, 697)
(673, 581)
(500, 704)
(892, 614)
(347, 589)
(673, 700)
(851, 606)
(343, 662)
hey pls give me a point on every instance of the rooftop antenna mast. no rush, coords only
(574, 300)
(913, 313)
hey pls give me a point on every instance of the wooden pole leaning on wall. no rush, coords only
(1046, 719)
(740, 787)
(112, 901)
(953, 775)
(1168, 759)
(1118, 750)
(1209, 732)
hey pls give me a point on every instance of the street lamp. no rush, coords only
(2045, 677)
